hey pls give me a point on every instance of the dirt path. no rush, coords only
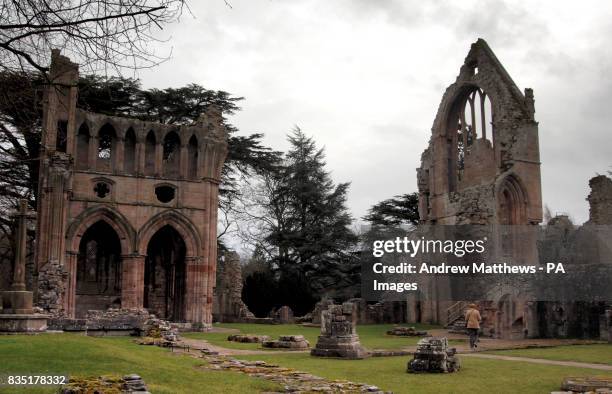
(576, 364)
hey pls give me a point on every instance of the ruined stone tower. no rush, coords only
(482, 165)
(127, 209)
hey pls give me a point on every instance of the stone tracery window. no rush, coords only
(106, 147)
(473, 119)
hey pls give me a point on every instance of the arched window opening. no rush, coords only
(473, 117)
(98, 282)
(192, 158)
(82, 148)
(106, 148)
(511, 203)
(150, 154)
(511, 211)
(164, 289)
(129, 152)
(171, 156)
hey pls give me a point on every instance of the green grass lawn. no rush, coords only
(476, 376)
(74, 354)
(165, 372)
(372, 336)
(597, 353)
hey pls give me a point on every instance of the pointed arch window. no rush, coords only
(107, 139)
(82, 149)
(192, 158)
(150, 143)
(171, 155)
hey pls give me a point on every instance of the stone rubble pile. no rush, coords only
(247, 338)
(291, 342)
(105, 384)
(406, 332)
(291, 380)
(434, 355)
(158, 332)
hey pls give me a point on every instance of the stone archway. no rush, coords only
(165, 275)
(98, 270)
(511, 201)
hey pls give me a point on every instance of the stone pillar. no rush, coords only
(71, 130)
(20, 253)
(132, 282)
(139, 160)
(18, 300)
(183, 163)
(159, 158)
(119, 158)
(71, 269)
(93, 152)
(195, 290)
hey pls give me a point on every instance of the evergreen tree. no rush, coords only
(397, 211)
(309, 232)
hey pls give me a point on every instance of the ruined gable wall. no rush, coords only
(444, 199)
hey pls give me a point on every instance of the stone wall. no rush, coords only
(600, 200)
(228, 305)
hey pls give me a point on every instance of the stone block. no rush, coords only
(23, 323)
(17, 302)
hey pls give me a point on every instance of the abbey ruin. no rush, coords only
(482, 167)
(127, 209)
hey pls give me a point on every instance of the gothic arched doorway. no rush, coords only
(98, 283)
(164, 288)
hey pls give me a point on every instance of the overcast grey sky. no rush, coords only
(365, 77)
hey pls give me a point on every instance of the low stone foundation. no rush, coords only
(291, 342)
(599, 385)
(246, 338)
(29, 323)
(406, 332)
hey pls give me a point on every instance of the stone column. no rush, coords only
(93, 152)
(119, 158)
(159, 158)
(20, 254)
(139, 160)
(71, 267)
(183, 163)
(71, 129)
(194, 294)
(18, 300)
(132, 283)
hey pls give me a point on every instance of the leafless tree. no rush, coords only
(98, 34)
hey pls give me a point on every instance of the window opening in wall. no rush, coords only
(101, 189)
(165, 193)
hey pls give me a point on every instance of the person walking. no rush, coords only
(472, 322)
